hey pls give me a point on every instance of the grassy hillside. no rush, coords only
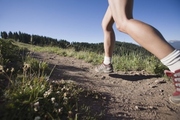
(127, 56)
(27, 93)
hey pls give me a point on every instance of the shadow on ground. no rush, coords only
(133, 77)
(95, 103)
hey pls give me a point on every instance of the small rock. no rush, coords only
(161, 90)
(103, 77)
(136, 107)
(132, 72)
(95, 75)
(139, 81)
(112, 99)
(126, 72)
(161, 93)
(148, 83)
(152, 107)
(104, 98)
(160, 81)
(137, 73)
(154, 86)
(150, 93)
(143, 72)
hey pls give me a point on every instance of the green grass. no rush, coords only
(30, 95)
(128, 62)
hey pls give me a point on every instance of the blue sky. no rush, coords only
(80, 20)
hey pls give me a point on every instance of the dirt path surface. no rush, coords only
(128, 96)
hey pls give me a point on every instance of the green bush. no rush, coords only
(11, 56)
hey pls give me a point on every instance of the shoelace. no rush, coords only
(102, 66)
(177, 81)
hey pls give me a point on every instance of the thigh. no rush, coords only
(108, 20)
(121, 9)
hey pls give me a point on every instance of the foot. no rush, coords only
(104, 68)
(175, 98)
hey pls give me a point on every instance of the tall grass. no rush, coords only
(127, 62)
(31, 96)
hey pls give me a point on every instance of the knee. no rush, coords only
(121, 26)
(107, 26)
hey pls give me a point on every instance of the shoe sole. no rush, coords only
(174, 102)
(104, 71)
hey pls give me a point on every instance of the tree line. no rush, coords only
(121, 48)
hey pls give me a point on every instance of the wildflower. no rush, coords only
(26, 66)
(35, 109)
(51, 87)
(12, 70)
(36, 106)
(52, 99)
(31, 87)
(1, 69)
(7, 69)
(37, 118)
(64, 88)
(60, 110)
(47, 78)
(67, 89)
(42, 86)
(58, 92)
(70, 114)
(62, 81)
(65, 94)
(47, 93)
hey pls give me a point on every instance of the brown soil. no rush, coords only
(126, 96)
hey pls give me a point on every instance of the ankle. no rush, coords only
(107, 60)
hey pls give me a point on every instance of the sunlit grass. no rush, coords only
(30, 95)
(129, 62)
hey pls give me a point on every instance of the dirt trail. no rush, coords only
(129, 96)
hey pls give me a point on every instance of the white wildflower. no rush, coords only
(1, 67)
(35, 109)
(58, 92)
(37, 118)
(36, 106)
(7, 69)
(12, 70)
(47, 93)
(42, 86)
(31, 87)
(62, 82)
(65, 94)
(52, 99)
(26, 66)
(51, 87)
(47, 78)
(60, 110)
